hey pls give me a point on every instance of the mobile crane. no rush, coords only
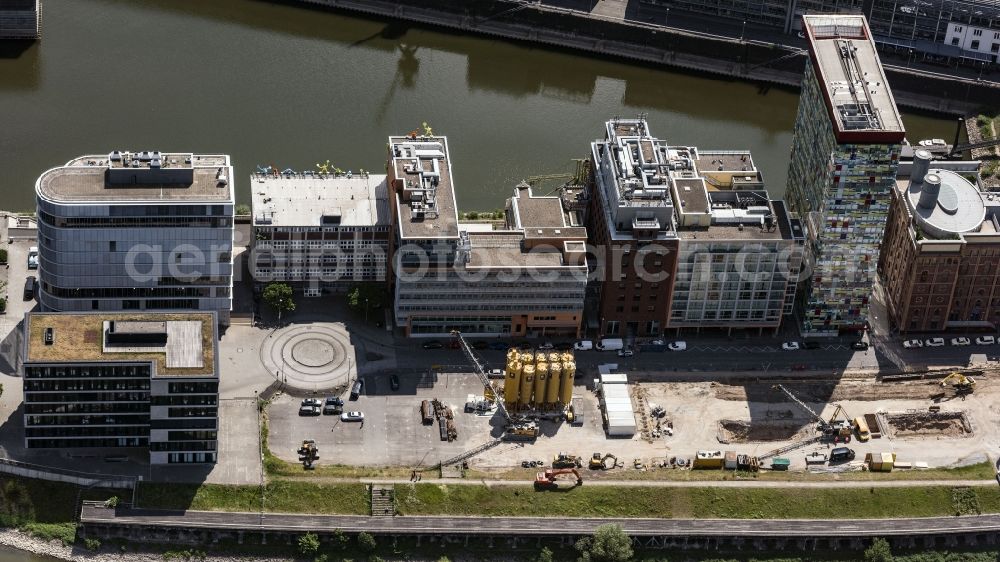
(830, 429)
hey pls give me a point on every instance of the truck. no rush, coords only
(610, 344)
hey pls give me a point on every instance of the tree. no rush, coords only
(243, 209)
(3, 255)
(609, 544)
(544, 555)
(364, 297)
(308, 544)
(879, 551)
(366, 542)
(339, 539)
(279, 297)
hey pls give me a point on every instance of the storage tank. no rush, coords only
(528, 357)
(555, 382)
(527, 385)
(513, 354)
(566, 389)
(567, 357)
(541, 377)
(512, 382)
(554, 357)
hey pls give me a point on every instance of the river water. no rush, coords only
(289, 86)
(14, 555)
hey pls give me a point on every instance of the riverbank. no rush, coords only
(747, 60)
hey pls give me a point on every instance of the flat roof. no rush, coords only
(86, 179)
(426, 203)
(956, 208)
(851, 76)
(542, 216)
(304, 200)
(79, 338)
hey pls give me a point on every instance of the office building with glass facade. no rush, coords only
(845, 154)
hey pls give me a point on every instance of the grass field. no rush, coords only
(279, 496)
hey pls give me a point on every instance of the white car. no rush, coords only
(934, 342)
(657, 342)
(625, 353)
(678, 346)
(960, 341)
(932, 142)
(910, 344)
(352, 416)
(585, 345)
(33, 257)
(986, 340)
(790, 346)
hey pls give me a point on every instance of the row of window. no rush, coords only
(49, 443)
(87, 371)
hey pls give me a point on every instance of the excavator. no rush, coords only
(960, 383)
(308, 453)
(597, 462)
(565, 460)
(548, 480)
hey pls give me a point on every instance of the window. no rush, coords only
(612, 328)
(954, 40)
(995, 48)
(975, 45)
(977, 32)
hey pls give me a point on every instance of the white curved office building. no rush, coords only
(137, 231)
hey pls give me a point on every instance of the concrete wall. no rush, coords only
(24, 470)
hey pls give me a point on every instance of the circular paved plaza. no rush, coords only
(310, 357)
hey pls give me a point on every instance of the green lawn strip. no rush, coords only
(46, 510)
(285, 496)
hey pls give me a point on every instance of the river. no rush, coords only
(14, 555)
(279, 84)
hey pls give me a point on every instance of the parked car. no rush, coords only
(334, 405)
(934, 342)
(657, 342)
(816, 457)
(860, 345)
(480, 345)
(841, 454)
(546, 346)
(394, 381)
(583, 345)
(564, 346)
(790, 346)
(356, 388)
(986, 340)
(499, 345)
(678, 346)
(495, 373)
(312, 402)
(960, 341)
(910, 344)
(625, 353)
(352, 416)
(309, 410)
(433, 344)
(29, 287)
(33, 257)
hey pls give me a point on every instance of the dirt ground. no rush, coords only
(948, 424)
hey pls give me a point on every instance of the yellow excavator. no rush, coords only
(960, 383)
(598, 462)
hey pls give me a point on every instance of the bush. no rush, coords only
(3, 304)
(320, 558)
(339, 539)
(243, 209)
(92, 545)
(544, 555)
(308, 544)
(609, 544)
(3, 255)
(879, 551)
(366, 542)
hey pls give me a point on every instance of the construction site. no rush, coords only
(606, 426)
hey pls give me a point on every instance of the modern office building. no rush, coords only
(779, 14)
(939, 259)
(20, 19)
(136, 231)
(524, 276)
(147, 380)
(686, 238)
(845, 154)
(320, 232)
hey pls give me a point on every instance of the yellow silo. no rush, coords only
(513, 354)
(566, 389)
(554, 357)
(512, 382)
(555, 380)
(527, 357)
(527, 385)
(541, 378)
(567, 357)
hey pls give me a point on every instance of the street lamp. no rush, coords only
(366, 311)
(666, 18)
(743, 29)
(909, 57)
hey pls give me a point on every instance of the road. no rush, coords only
(539, 526)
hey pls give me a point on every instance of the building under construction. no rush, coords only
(538, 380)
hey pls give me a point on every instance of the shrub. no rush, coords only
(308, 544)
(366, 542)
(243, 209)
(544, 555)
(879, 551)
(320, 558)
(3, 304)
(609, 544)
(339, 539)
(3, 255)
(92, 545)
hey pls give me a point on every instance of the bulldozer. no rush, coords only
(564, 460)
(598, 462)
(548, 480)
(960, 383)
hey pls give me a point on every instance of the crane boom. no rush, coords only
(823, 423)
(481, 372)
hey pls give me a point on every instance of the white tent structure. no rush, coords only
(616, 402)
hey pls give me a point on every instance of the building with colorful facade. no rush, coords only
(845, 154)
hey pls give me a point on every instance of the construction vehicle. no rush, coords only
(564, 460)
(960, 383)
(597, 462)
(830, 430)
(548, 480)
(308, 454)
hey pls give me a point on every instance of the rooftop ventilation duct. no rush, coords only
(929, 191)
(921, 163)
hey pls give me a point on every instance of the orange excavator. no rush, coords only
(548, 480)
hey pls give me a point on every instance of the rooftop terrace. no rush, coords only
(82, 337)
(425, 202)
(139, 177)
